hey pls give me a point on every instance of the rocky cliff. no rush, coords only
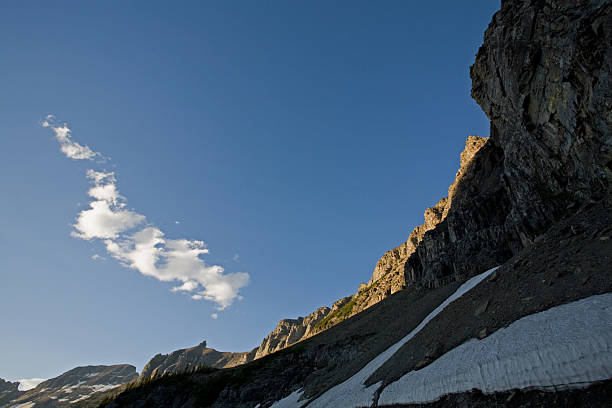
(542, 77)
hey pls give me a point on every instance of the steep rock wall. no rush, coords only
(543, 78)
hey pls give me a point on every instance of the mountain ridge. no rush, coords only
(534, 199)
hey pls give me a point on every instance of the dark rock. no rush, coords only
(482, 308)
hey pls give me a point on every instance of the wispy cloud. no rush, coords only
(214, 316)
(69, 147)
(137, 243)
(26, 384)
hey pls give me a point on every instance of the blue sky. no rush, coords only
(298, 140)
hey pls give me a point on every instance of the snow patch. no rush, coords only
(24, 405)
(562, 346)
(103, 387)
(26, 384)
(352, 392)
(288, 402)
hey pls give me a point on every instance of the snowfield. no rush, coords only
(565, 346)
(568, 345)
(352, 392)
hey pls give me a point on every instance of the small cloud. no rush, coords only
(69, 147)
(214, 316)
(236, 257)
(188, 286)
(26, 384)
(95, 257)
(177, 222)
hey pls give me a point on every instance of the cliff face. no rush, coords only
(542, 77)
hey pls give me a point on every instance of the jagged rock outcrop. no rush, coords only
(75, 386)
(389, 274)
(290, 331)
(189, 359)
(9, 391)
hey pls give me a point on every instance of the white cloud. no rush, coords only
(236, 257)
(26, 384)
(69, 147)
(95, 257)
(168, 260)
(214, 316)
(141, 246)
(177, 222)
(188, 286)
(103, 221)
(107, 216)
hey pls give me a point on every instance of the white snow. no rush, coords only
(103, 387)
(565, 345)
(24, 405)
(289, 401)
(352, 392)
(90, 375)
(26, 384)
